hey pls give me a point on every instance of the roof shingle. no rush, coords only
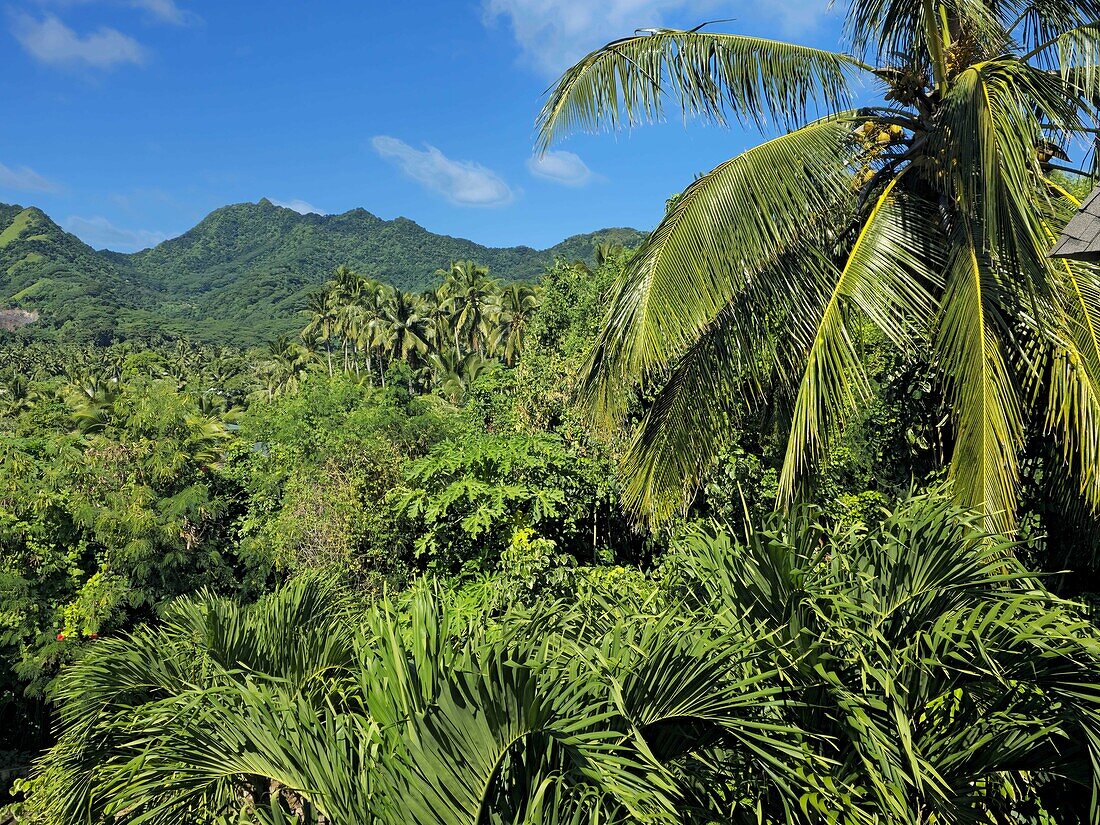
(1080, 239)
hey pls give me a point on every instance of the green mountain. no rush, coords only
(51, 278)
(241, 275)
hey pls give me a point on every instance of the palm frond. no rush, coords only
(709, 74)
(1073, 403)
(886, 275)
(727, 371)
(728, 228)
(985, 402)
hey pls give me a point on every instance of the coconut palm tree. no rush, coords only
(324, 321)
(518, 303)
(345, 288)
(404, 331)
(928, 213)
(364, 316)
(288, 365)
(472, 298)
(435, 309)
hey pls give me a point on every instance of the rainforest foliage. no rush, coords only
(788, 515)
(409, 445)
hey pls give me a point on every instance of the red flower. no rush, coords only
(93, 636)
(60, 637)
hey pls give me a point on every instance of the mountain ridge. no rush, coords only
(240, 275)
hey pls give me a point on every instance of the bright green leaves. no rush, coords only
(943, 247)
(887, 274)
(806, 674)
(987, 408)
(466, 500)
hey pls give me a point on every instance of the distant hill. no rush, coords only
(50, 274)
(240, 275)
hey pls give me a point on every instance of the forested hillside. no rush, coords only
(240, 277)
(60, 280)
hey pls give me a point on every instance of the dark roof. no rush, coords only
(1081, 238)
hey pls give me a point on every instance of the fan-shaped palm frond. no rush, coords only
(806, 674)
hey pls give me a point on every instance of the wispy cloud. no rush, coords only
(100, 233)
(166, 11)
(25, 179)
(300, 206)
(553, 35)
(462, 182)
(158, 11)
(138, 199)
(52, 42)
(560, 167)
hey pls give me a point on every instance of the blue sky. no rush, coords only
(129, 120)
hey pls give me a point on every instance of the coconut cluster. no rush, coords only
(875, 139)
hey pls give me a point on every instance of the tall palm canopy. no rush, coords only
(929, 214)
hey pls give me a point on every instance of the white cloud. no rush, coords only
(462, 182)
(166, 11)
(25, 179)
(298, 205)
(160, 11)
(51, 41)
(561, 167)
(100, 233)
(554, 34)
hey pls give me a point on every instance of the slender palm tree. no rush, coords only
(403, 329)
(928, 213)
(324, 321)
(472, 298)
(288, 365)
(344, 289)
(436, 311)
(518, 303)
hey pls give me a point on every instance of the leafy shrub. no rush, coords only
(465, 500)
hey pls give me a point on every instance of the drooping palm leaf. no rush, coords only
(762, 81)
(719, 377)
(988, 419)
(730, 226)
(887, 273)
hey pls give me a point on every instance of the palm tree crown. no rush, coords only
(928, 214)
